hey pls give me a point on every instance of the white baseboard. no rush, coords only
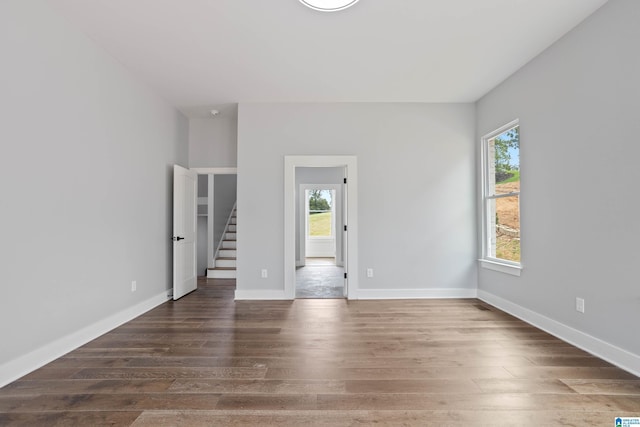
(255, 294)
(21, 366)
(416, 293)
(272, 294)
(628, 361)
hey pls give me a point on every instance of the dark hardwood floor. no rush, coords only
(206, 360)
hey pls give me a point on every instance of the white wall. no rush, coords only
(578, 104)
(213, 142)
(86, 184)
(416, 165)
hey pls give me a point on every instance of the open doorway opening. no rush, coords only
(320, 271)
(217, 189)
(319, 231)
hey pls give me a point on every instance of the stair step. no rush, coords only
(221, 273)
(230, 236)
(227, 253)
(232, 228)
(228, 244)
(225, 263)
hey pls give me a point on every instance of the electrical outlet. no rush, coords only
(369, 272)
(134, 286)
(580, 305)
(264, 273)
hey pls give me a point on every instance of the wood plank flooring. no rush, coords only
(206, 360)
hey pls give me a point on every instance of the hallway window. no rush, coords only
(320, 220)
(501, 195)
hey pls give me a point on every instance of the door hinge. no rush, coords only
(345, 180)
(345, 228)
(345, 275)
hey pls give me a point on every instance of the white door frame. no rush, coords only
(350, 164)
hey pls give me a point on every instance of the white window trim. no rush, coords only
(501, 265)
(486, 261)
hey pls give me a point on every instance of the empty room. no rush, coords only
(322, 212)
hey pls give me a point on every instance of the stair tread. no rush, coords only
(227, 258)
(222, 268)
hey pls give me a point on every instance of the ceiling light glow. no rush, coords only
(328, 5)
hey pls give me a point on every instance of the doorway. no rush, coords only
(217, 194)
(320, 261)
(345, 229)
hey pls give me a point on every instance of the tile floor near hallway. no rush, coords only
(207, 360)
(320, 278)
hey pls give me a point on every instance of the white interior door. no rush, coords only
(185, 191)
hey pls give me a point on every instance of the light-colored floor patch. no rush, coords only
(320, 278)
(320, 261)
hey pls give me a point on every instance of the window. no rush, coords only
(320, 220)
(501, 199)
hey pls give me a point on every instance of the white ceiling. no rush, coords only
(202, 53)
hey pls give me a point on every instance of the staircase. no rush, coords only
(225, 258)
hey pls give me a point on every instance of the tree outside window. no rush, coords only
(320, 213)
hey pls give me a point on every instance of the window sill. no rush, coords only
(514, 270)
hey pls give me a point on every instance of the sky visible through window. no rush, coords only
(512, 151)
